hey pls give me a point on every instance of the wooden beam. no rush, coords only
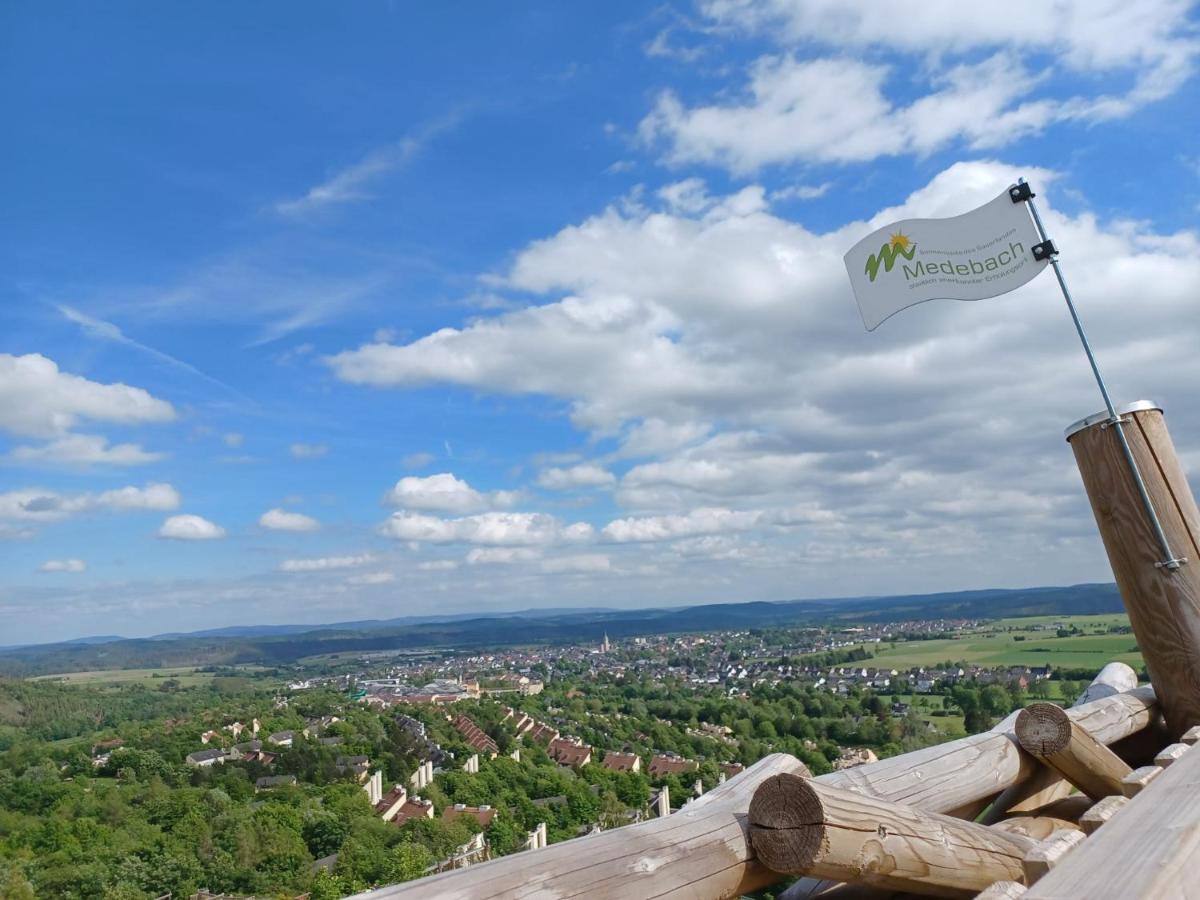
(1191, 736)
(1168, 755)
(802, 827)
(1138, 780)
(1047, 732)
(1150, 851)
(1036, 828)
(1101, 813)
(1047, 854)
(1046, 785)
(1163, 604)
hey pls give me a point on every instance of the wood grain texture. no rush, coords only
(1036, 828)
(1150, 850)
(709, 855)
(1101, 813)
(1047, 854)
(1047, 732)
(800, 826)
(1138, 780)
(1163, 606)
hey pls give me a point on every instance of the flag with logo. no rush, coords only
(980, 254)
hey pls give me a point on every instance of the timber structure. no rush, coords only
(1098, 801)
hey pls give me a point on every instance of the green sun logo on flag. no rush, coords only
(899, 245)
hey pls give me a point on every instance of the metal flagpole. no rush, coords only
(1047, 250)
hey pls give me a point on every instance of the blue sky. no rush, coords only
(312, 313)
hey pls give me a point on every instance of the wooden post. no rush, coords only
(1047, 732)
(802, 827)
(1101, 813)
(1163, 605)
(1147, 851)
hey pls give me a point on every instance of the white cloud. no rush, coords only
(417, 460)
(370, 578)
(983, 78)
(82, 450)
(63, 565)
(351, 183)
(282, 520)
(721, 350)
(324, 563)
(582, 563)
(190, 528)
(40, 401)
(583, 475)
(709, 520)
(501, 555)
(500, 529)
(36, 505)
(233, 439)
(444, 493)
(438, 565)
(308, 451)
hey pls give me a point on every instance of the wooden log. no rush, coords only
(1047, 854)
(712, 857)
(1163, 605)
(1101, 813)
(1138, 780)
(803, 827)
(1151, 850)
(1047, 732)
(1191, 736)
(1046, 785)
(1112, 679)
(1068, 808)
(1168, 755)
(1003, 890)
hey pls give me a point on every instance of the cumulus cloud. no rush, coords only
(308, 451)
(62, 565)
(282, 520)
(324, 563)
(444, 493)
(984, 80)
(36, 505)
(582, 563)
(500, 529)
(188, 527)
(723, 354)
(502, 555)
(38, 400)
(583, 475)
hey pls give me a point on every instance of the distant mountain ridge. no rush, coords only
(278, 644)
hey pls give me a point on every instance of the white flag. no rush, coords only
(983, 253)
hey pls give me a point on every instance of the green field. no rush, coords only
(996, 644)
(187, 676)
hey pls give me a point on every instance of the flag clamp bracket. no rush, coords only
(1019, 192)
(1045, 250)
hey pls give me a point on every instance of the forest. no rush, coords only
(140, 822)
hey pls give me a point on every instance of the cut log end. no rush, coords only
(786, 824)
(1043, 729)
